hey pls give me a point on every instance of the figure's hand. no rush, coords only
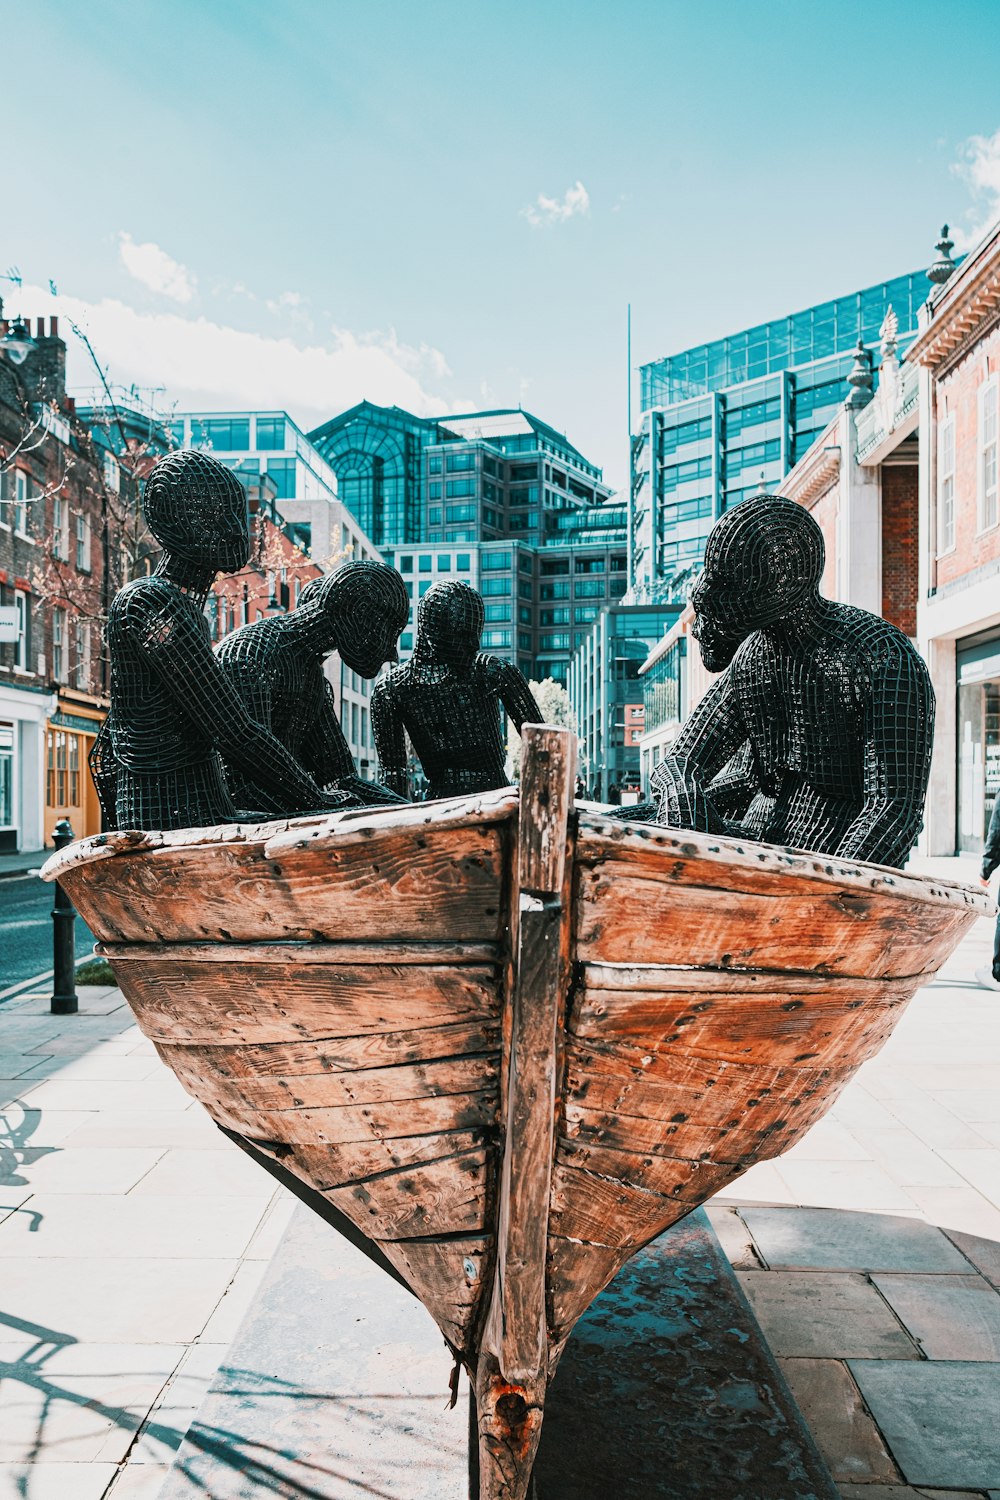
(984, 881)
(337, 801)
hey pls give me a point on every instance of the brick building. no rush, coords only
(956, 357)
(67, 533)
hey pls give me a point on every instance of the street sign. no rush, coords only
(10, 625)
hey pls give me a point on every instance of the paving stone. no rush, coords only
(984, 1254)
(958, 1208)
(228, 1172)
(828, 1140)
(103, 1068)
(108, 1300)
(113, 1169)
(225, 1321)
(981, 1169)
(823, 1313)
(909, 1161)
(177, 1405)
(856, 1109)
(88, 1224)
(268, 1237)
(856, 1185)
(760, 1184)
(55, 1093)
(55, 1481)
(180, 1128)
(78, 1403)
(734, 1237)
(939, 1418)
(952, 1317)
(829, 1240)
(933, 1124)
(902, 1492)
(139, 1482)
(845, 1433)
(974, 1105)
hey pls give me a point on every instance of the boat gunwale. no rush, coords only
(286, 837)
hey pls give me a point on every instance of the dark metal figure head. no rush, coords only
(450, 620)
(763, 563)
(447, 698)
(359, 611)
(197, 510)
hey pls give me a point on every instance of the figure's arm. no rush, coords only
(709, 739)
(327, 756)
(174, 642)
(390, 738)
(898, 737)
(517, 697)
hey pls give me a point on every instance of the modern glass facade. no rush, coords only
(606, 691)
(719, 419)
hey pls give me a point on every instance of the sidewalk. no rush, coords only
(21, 864)
(133, 1236)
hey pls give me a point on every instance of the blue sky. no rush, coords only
(301, 203)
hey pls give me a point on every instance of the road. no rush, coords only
(26, 929)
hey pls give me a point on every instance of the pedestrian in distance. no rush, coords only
(990, 978)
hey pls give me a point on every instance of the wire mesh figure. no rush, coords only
(447, 698)
(276, 666)
(156, 763)
(819, 733)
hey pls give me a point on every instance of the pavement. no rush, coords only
(133, 1238)
(26, 931)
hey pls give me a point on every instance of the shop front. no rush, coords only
(978, 768)
(23, 712)
(69, 787)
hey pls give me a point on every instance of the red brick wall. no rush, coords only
(957, 395)
(900, 553)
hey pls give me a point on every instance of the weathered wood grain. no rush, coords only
(449, 1276)
(625, 917)
(417, 884)
(447, 1196)
(274, 1060)
(512, 1370)
(183, 1001)
(756, 1018)
(348, 1123)
(326, 1166)
(400, 1085)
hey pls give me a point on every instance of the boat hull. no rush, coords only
(510, 1044)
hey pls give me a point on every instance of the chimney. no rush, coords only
(53, 328)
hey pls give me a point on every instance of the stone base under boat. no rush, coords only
(336, 1387)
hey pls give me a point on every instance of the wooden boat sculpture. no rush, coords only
(508, 1042)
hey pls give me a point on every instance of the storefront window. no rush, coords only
(6, 775)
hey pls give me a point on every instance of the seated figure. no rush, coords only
(447, 698)
(818, 734)
(276, 666)
(157, 761)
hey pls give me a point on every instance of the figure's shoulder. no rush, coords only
(239, 643)
(491, 668)
(873, 638)
(146, 597)
(393, 678)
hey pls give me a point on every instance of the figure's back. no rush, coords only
(453, 719)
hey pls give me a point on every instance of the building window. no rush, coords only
(434, 516)
(457, 513)
(59, 645)
(5, 487)
(81, 644)
(455, 488)
(60, 529)
(406, 564)
(497, 638)
(229, 435)
(282, 471)
(590, 588)
(462, 562)
(494, 561)
(444, 562)
(270, 432)
(434, 464)
(946, 485)
(434, 489)
(21, 644)
(497, 614)
(557, 590)
(496, 586)
(83, 544)
(21, 503)
(988, 413)
(426, 563)
(112, 473)
(459, 461)
(590, 565)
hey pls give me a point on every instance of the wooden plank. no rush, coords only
(185, 1001)
(688, 1181)
(448, 1275)
(299, 1059)
(413, 884)
(351, 1123)
(512, 1370)
(700, 858)
(623, 917)
(447, 1196)
(302, 953)
(577, 1273)
(400, 1085)
(605, 1211)
(325, 1166)
(755, 1018)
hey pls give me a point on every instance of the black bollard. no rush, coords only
(64, 1001)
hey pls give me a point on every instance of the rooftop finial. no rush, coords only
(860, 379)
(889, 334)
(944, 265)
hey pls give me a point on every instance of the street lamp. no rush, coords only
(17, 342)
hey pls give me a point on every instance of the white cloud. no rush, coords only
(979, 169)
(575, 200)
(207, 364)
(155, 268)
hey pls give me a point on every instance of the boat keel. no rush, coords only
(509, 1419)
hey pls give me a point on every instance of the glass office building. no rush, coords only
(721, 418)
